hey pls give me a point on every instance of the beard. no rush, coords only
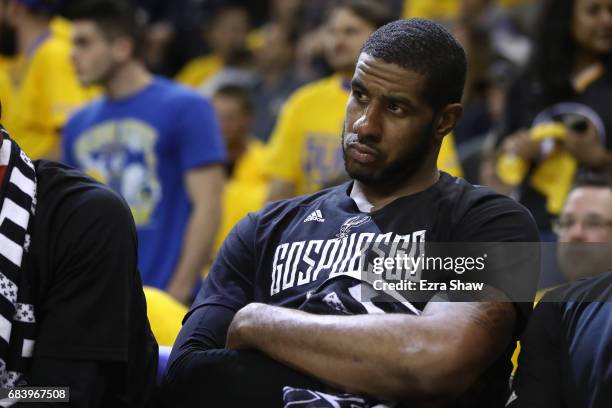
(398, 171)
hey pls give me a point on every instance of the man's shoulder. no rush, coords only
(288, 209)
(593, 289)
(62, 191)
(88, 112)
(173, 92)
(475, 207)
(465, 195)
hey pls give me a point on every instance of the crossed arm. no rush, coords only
(436, 355)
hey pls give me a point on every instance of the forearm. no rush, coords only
(197, 246)
(200, 366)
(230, 378)
(389, 356)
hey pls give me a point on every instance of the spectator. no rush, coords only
(304, 152)
(44, 89)
(246, 188)
(151, 140)
(226, 37)
(585, 228)
(276, 78)
(566, 357)
(558, 117)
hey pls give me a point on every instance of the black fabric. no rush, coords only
(279, 256)
(230, 378)
(86, 390)
(566, 351)
(525, 100)
(90, 306)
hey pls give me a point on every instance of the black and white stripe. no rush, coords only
(17, 203)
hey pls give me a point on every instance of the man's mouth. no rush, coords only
(360, 152)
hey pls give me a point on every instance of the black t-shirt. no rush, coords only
(88, 297)
(526, 102)
(303, 253)
(566, 351)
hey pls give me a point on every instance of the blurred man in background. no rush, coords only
(305, 154)
(277, 77)
(226, 38)
(43, 88)
(246, 189)
(154, 142)
(585, 228)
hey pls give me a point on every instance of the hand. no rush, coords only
(586, 147)
(521, 144)
(240, 330)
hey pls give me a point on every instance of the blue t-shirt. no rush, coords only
(142, 146)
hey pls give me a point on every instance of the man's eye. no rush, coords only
(393, 108)
(359, 95)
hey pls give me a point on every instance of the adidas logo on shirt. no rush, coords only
(315, 216)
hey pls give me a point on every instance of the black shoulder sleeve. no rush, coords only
(538, 381)
(84, 311)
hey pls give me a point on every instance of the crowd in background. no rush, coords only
(538, 102)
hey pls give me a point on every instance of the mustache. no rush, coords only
(352, 139)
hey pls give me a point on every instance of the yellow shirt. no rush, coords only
(5, 86)
(245, 192)
(436, 10)
(199, 70)
(443, 9)
(165, 315)
(305, 147)
(44, 91)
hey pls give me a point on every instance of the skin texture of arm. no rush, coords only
(205, 188)
(437, 355)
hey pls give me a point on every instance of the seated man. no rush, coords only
(72, 310)
(566, 356)
(286, 318)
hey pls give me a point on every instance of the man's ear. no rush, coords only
(123, 48)
(447, 119)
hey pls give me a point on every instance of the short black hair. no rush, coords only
(48, 8)
(596, 179)
(425, 47)
(376, 13)
(115, 18)
(239, 93)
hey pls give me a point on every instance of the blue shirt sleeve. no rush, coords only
(230, 282)
(68, 133)
(199, 138)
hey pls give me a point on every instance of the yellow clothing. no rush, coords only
(245, 192)
(435, 10)
(165, 315)
(305, 147)
(5, 86)
(199, 70)
(444, 9)
(44, 91)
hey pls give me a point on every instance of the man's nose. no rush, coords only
(369, 124)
